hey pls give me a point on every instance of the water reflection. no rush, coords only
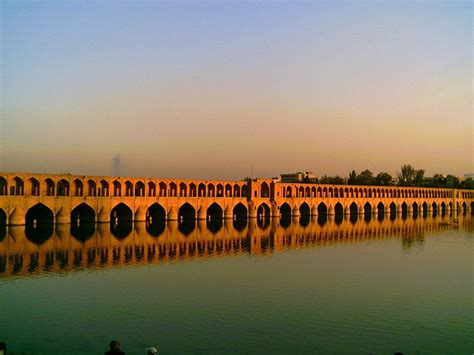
(48, 247)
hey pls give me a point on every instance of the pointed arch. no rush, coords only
(289, 192)
(228, 190)
(201, 190)
(83, 213)
(211, 191)
(338, 209)
(240, 214)
(220, 190)
(151, 189)
(117, 186)
(91, 191)
(236, 190)
(139, 189)
(245, 191)
(183, 190)
(104, 188)
(162, 192)
(305, 210)
(3, 186)
(322, 209)
(34, 187)
(78, 187)
(192, 190)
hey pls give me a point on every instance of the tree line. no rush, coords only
(406, 176)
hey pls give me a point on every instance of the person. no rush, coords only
(114, 348)
(151, 351)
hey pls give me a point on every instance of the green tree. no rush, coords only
(366, 178)
(419, 177)
(352, 178)
(406, 175)
(383, 179)
(467, 184)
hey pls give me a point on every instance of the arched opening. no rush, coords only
(338, 209)
(192, 190)
(393, 211)
(301, 192)
(263, 215)
(3, 187)
(34, 187)
(39, 221)
(3, 225)
(139, 189)
(63, 188)
(228, 190)
(214, 216)
(117, 188)
(472, 208)
(285, 215)
(151, 189)
(121, 218)
(245, 191)
(78, 187)
(236, 190)
(82, 222)
(240, 216)
(162, 192)
(322, 213)
(91, 188)
(104, 188)
(264, 190)
(380, 211)
(443, 209)
(201, 190)
(404, 210)
(211, 192)
(289, 192)
(183, 190)
(307, 192)
(128, 189)
(424, 207)
(155, 220)
(305, 213)
(50, 187)
(220, 190)
(186, 218)
(353, 212)
(18, 188)
(415, 210)
(367, 212)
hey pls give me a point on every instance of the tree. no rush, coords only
(383, 179)
(467, 184)
(366, 178)
(352, 178)
(419, 177)
(406, 175)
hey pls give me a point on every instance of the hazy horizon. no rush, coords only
(208, 89)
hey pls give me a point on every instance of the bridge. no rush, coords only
(34, 199)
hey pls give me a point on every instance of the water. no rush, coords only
(314, 286)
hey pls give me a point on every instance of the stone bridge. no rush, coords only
(32, 199)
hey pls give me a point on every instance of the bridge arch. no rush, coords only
(3, 186)
(121, 213)
(304, 209)
(151, 189)
(424, 208)
(240, 211)
(201, 190)
(83, 213)
(91, 187)
(183, 190)
(322, 209)
(155, 219)
(236, 190)
(228, 190)
(39, 223)
(263, 211)
(285, 210)
(139, 189)
(289, 192)
(186, 218)
(220, 190)
(338, 209)
(192, 190)
(78, 187)
(415, 210)
(354, 209)
(211, 191)
(117, 188)
(63, 188)
(104, 188)
(50, 187)
(173, 189)
(244, 191)
(34, 187)
(214, 212)
(162, 189)
(404, 208)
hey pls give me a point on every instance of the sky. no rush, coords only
(223, 90)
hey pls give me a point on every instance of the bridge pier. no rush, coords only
(17, 217)
(172, 214)
(296, 212)
(201, 213)
(140, 214)
(63, 216)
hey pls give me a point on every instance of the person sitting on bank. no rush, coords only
(114, 348)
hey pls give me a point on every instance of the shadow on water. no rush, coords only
(121, 229)
(304, 220)
(322, 219)
(240, 224)
(156, 227)
(263, 223)
(285, 221)
(214, 225)
(186, 226)
(83, 231)
(338, 219)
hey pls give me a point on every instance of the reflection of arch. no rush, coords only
(381, 208)
(415, 209)
(63, 188)
(353, 209)
(367, 209)
(393, 209)
(404, 209)
(304, 209)
(338, 209)
(34, 187)
(264, 190)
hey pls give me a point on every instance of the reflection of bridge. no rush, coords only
(33, 198)
(63, 252)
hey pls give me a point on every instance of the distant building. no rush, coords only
(116, 169)
(469, 176)
(307, 176)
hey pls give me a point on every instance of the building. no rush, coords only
(307, 176)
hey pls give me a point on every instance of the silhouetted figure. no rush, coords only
(114, 348)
